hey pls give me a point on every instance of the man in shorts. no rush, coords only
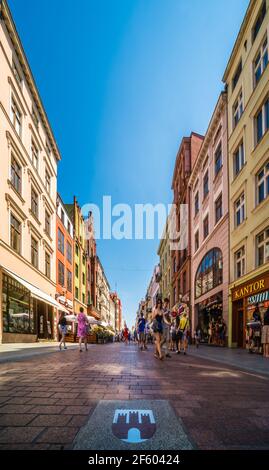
(141, 332)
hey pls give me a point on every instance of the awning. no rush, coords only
(36, 292)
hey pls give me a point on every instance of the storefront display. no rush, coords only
(209, 314)
(250, 301)
(17, 307)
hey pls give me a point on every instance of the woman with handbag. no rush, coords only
(82, 328)
(157, 326)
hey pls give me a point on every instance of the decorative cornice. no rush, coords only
(12, 203)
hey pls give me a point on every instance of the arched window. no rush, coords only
(209, 272)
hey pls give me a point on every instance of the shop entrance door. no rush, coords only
(240, 328)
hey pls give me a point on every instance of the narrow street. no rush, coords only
(46, 399)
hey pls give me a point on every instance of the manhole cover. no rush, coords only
(133, 424)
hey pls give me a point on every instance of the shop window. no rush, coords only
(240, 262)
(262, 247)
(209, 272)
(17, 308)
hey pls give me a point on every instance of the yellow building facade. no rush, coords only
(165, 263)
(247, 81)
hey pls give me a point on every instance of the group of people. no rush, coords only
(170, 332)
(82, 332)
(217, 332)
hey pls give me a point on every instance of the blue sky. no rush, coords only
(122, 82)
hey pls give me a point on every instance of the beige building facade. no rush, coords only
(28, 189)
(164, 254)
(247, 80)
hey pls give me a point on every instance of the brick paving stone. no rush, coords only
(77, 410)
(51, 420)
(42, 401)
(16, 419)
(58, 435)
(49, 409)
(15, 408)
(65, 395)
(78, 420)
(11, 435)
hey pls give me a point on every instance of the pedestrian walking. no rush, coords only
(126, 335)
(173, 334)
(197, 336)
(157, 326)
(141, 332)
(265, 334)
(82, 329)
(166, 327)
(182, 329)
(62, 325)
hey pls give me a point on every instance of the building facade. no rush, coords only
(103, 293)
(247, 81)
(92, 267)
(79, 257)
(64, 257)
(210, 225)
(28, 182)
(164, 253)
(181, 259)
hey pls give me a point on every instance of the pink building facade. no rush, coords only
(210, 229)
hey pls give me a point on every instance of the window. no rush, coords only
(47, 264)
(238, 109)
(15, 175)
(62, 216)
(196, 240)
(237, 74)
(76, 269)
(47, 222)
(69, 227)
(259, 20)
(69, 280)
(17, 74)
(261, 61)
(262, 121)
(83, 260)
(69, 252)
(15, 233)
(218, 159)
(60, 241)
(240, 210)
(239, 159)
(196, 203)
(48, 149)
(206, 226)
(240, 263)
(76, 292)
(76, 249)
(205, 181)
(16, 306)
(34, 202)
(83, 298)
(218, 209)
(47, 181)
(34, 152)
(34, 252)
(60, 273)
(262, 247)
(16, 116)
(262, 183)
(209, 272)
(83, 279)
(35, 117)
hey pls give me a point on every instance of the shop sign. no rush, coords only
(249, 289)
(258, 298)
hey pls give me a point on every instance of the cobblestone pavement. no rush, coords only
(46, 399)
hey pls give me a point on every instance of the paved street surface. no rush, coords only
(47, 399)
